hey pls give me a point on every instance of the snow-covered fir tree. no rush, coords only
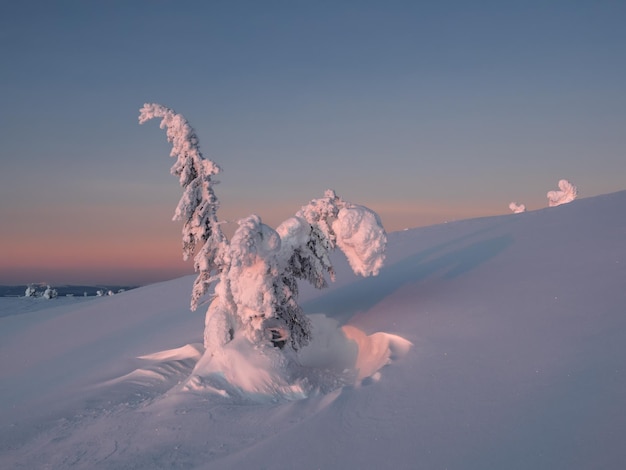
(567, 193)
(256, 272)
(198, 205)
(50, 293)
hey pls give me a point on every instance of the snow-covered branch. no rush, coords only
(355, 230)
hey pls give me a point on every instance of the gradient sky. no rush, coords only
(424, 111)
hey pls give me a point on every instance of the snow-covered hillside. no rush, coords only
(517, 325)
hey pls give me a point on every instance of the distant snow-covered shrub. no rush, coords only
(31, 291)
(567, 193)
(50, 293)
(39, 291)
(517, 208)
(255, 274)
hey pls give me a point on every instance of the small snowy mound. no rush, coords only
(336, 357)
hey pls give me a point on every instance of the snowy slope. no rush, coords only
(518, 326)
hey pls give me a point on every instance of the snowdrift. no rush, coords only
(483, 344)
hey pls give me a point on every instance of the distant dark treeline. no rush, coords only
(18, 291)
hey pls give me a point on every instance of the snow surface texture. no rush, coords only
(517, 208)
(518, 331)
(567, 193)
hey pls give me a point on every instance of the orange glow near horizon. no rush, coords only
(99, 246)
(119, 245)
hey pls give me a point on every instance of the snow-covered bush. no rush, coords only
(50, 293)
(517, 208)
(38, 291)
(255, 274)
(31, 291)
(567, 193)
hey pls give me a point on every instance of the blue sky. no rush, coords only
(425, 111)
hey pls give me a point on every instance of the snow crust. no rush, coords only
(516, 361)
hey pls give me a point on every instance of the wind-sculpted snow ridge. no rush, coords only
(162, 367)
(241, 370)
